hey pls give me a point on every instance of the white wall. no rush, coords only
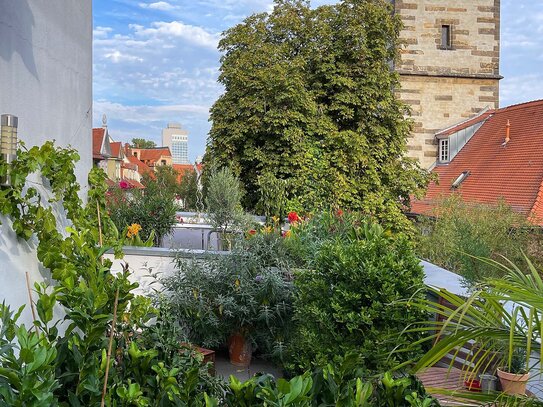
(46, 72)
(45, 80)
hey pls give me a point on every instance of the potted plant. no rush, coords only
(515, 375)
(242, 299)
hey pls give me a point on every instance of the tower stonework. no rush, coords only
(449, 67)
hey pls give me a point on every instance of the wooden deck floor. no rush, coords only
(435, 378)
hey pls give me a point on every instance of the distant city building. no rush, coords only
(177, 139)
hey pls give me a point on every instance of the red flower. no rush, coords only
(339, 213)
(252, 232)
(293, 217)
(124, 185)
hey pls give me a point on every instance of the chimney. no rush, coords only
(508, 132)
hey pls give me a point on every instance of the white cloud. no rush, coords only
(522, 88)
(159, 5)
(117, 57)
(101, 32)
(192, 34)
(145, 113)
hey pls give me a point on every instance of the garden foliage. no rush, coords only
(154, 212)
(503, 316)
(248, 291)
(64, 362)
(188, 191)
(348, 296)
(342, 384)
(309, 98)
(460, 233)
(223, 200)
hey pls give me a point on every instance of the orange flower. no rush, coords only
(133, 230)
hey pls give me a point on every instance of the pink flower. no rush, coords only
(124, 185)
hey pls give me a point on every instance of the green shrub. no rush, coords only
(154, 212)
(340, 384)
(349, 299)
(248, 291)
(461, 231)
(49, 367)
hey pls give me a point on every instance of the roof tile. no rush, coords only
(512, 171)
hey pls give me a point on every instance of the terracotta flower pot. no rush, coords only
(240, 350)
(513, 383)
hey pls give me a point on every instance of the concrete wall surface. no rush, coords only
(45, 80)
(18, 257)
(46, 72)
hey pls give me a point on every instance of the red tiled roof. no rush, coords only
(182, 168)
(97, 140)
(115, 149)
(513, 172)
(134, 184)
(152, 155)
(466, 123)
(142, 168)
(129, 166)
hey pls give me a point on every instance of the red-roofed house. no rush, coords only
(153, 157)
(495, 155)
(182, 169)
(132, 159)
(101, 149)
(114, 163)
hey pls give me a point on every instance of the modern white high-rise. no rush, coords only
(177, 139)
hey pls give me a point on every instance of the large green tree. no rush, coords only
(143, 143)
(309, 97)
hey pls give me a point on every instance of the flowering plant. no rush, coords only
(293, 217)
(124, 185)
(131, 236)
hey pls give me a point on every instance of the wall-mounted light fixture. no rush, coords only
(8, 143)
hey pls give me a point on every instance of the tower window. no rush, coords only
(446, 37)
(444, 150)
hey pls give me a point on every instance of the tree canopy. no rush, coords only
(142, 143)
(310, 98)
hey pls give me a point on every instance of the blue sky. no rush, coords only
(156, 61)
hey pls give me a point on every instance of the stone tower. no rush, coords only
(449, 66)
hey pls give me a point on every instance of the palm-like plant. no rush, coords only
(502, 314)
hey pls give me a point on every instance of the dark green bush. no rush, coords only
(154, 212)
(349, 298)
